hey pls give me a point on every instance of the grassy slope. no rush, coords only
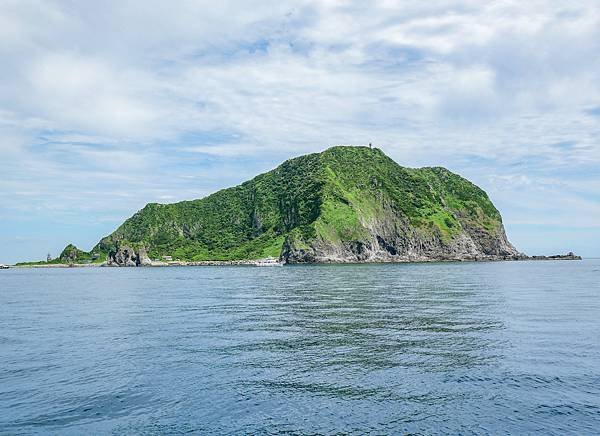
(331, 195)
(246, 221)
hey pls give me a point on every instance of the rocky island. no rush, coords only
(345, 204)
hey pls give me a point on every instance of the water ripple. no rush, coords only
(493, 348)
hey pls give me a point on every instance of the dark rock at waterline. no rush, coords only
(127, 256)
(569, 256)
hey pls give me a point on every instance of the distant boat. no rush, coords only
(2, 266)
(269, 261)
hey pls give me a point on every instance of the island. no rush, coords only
(345, 204)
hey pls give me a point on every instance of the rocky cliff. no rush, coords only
(346, 204)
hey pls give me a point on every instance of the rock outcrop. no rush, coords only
(71, 254)
(569, 256)
(125, 255)
(390, 238)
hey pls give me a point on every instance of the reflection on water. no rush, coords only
(472, 348)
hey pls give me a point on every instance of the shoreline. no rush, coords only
(254, 262)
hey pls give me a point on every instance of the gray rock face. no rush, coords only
(127, 256)
(390, 239)
(142, 258)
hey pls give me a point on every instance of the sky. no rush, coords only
(106, 106)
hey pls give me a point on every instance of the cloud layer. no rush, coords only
(106, 106)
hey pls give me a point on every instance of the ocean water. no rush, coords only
(469, 348)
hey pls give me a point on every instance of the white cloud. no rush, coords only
(85, 94)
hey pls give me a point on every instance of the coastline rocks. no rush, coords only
(124, 256)
(142, 258)
(569, 256)
(127, 256)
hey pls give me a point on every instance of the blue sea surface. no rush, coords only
(469, 348)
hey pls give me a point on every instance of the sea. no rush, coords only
(432, 348)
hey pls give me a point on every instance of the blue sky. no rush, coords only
(105, 106)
